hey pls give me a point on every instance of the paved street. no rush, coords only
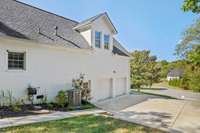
(167, 114)
(180, 94)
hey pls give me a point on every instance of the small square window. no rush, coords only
(97, 39)
(16, 61)
(106, 41)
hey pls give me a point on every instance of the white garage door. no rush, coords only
(120, 86)
(103, 89)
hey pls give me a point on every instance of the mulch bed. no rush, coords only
(26, 110)
(6, 112)
(106, 114)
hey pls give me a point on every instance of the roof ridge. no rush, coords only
(93, 17)
(46, 11)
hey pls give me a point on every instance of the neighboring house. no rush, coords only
(45, 50)
(175, 74)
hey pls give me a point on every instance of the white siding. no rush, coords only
(87, 34)
(120, 86)
(101, 25)
(102, 89)
(172, 78)
(53, 68)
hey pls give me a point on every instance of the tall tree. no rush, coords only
(191, 5)
(191, 38)
(144, 69)
(194, 56)
(153, 72)
(164, 65)
(138, 68)
(189, 49)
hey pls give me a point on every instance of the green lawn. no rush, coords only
(82, 124)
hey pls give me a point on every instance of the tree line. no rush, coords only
(146, 70)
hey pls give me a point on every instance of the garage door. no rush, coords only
(103, 89)
(120, 86)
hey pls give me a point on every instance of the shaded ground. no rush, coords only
(82, 124)
(164, 113)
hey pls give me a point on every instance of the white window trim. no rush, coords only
(25, 62)
(108, 41)
(100, 39)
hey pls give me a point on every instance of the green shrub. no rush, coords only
(50, 106)
(175, 82)
(2, 98)
(10, 97)
(194, 83)
(62, 99)
(185, 83)
(16, 107)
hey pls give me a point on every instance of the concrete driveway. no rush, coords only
(167, 114)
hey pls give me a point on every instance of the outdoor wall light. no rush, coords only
(114, 71)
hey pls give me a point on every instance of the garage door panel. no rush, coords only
(103, 89)
(120, 86)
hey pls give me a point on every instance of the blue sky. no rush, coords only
(155, 25)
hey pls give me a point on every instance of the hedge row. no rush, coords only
(175, 82)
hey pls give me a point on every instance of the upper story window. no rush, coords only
(106, 41)
(97, 39)
(16, 61)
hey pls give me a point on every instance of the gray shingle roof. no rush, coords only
(90, 20)
(119, 49)
(176, 73)
(20, 20)
(24, 21)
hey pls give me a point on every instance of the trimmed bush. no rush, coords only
(62, 99)
(175, 82)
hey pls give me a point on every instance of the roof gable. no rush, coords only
(24, 21)
(89, 21)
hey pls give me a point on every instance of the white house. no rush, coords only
(46, 50)
(175, 74)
